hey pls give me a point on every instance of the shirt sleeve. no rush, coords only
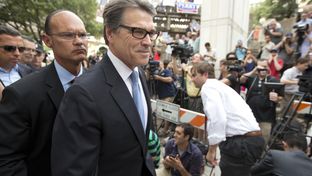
(214, 109)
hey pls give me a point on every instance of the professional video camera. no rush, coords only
(153, 67)
(305, 83)
(300, 30)
(234, 66)
(183, 52)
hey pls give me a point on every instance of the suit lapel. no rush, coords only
(55, 87)
(123, 98)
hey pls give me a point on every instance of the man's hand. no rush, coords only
(211, 155)
(273, 96)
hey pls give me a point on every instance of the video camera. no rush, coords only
(153, 67)
(305, 83)
(181, 51)
(300, 30)
(234, 66)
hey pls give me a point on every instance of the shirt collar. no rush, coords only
(188, 149)
(15, 68)
(123, 70)
(64, 75)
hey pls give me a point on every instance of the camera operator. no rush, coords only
(165, 88)
(286, 48)
(262, 106)
(303, 38)
(265, 51)
(290, 162)
(231, 76)
(193, 93)
(276, 33)
(290, 79)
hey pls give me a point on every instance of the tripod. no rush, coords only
(288, 114)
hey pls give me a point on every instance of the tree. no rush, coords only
(28, 16)
(278, 9)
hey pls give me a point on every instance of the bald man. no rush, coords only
(29, 106)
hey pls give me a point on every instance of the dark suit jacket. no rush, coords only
(27, 113)
(98, 128)
(284, 163)
(24, 70)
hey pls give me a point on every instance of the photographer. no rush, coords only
(304, 39)
(276, 33)
(165, 88)
(231, 72)
(262, 106)
(194, 102)
(286, 48)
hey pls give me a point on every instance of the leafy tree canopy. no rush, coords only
(28, 16)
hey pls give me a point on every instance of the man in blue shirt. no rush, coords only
(11, 48)
(181, 155)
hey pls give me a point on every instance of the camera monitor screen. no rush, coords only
(273, 87)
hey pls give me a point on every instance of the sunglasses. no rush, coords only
(9, 48)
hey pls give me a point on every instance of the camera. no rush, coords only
(182, 51)
(153, 67)
(234, 66)
(305, 83)
(300, 33)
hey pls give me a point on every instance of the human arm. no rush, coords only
(76, 135)
(252, 73)
(278, 63)
(288, 78)
(175, 163)
(175, 68)
(165, 76)
(264, 167)
(211, 155)
(216, 125)
(14, 134)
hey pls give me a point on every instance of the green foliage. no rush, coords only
(28, 16)
(278, 9)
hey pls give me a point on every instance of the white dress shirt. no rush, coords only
(227, 112)
(124, 71)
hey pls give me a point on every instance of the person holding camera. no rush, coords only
(275, 64)
(275, 32)
(165, 88)
(262, 106)
(183, 157)
(265, 51)
(286, 49)
(230, 70)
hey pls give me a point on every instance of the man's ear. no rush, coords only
(109, 34)
(47, 40)
(206, 74)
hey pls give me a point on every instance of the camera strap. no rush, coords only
(250, 88)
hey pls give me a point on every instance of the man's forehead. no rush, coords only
(4, 38)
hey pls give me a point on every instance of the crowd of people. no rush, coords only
(64, 118)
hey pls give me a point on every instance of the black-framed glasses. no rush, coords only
(10, 48)
(140, 33)
(71, 35)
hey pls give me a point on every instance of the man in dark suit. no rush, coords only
(11, 48)
(293, 161)
(29, 106)
(99, 128)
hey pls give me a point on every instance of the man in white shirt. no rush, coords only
(231, 124)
